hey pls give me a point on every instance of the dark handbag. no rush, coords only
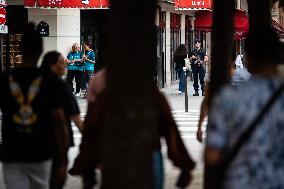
(214, 175)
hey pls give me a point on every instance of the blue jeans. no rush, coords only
(158, 170)
(181, 77)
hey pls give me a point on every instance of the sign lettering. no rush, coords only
(193, 4)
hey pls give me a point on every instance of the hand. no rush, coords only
(61, 174)
(199, 135)
(193, 57)
(85, 58)
(184, 179)
(72, 61)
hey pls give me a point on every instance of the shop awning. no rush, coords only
(278, 28)
(203, 22)
(81, 4)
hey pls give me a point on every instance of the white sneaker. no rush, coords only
(179, 92)
(77, 94)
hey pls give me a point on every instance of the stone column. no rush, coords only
(168, 48)
(182, 29)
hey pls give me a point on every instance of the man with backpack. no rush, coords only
(33, 126)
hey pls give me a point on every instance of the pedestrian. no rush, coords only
(198, 60)
(53, 65)
(235, 109)
(91, 148)
(89, 65)
(179, 58)
(75, 68)
(238, 77)
(33, 121)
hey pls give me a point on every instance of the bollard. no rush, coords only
(185, 90)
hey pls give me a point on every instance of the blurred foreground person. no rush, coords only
(54, 66)
(244, 149)
(91, 148)
(33, 122)
(238, 76)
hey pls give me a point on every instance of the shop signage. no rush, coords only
(3, 3)
(29, 3)
(43, 29)
(2, 16)
(68, 3)
(193, 4)
(3, 29)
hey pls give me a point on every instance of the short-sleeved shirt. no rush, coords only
(27, 99)
(70, 107)
(88, 65)
(200, 54)
(259, 163)
(76, 66)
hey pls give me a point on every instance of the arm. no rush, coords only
(203, 113)
(206, 59)
(78, 122)
(176, 148)
(62, 142)
(68, 59)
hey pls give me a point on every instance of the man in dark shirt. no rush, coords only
(33, 125)
(198, 61)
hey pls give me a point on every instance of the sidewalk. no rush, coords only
(177, 101)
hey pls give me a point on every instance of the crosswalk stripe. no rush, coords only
(186, 122)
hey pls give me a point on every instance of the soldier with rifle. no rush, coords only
(198, 61)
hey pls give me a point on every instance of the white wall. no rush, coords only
(50, 17)
(64, 27)
(68, 29)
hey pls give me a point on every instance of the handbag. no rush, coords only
(214, 175)
(187, 63)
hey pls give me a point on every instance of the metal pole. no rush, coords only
(185, 90)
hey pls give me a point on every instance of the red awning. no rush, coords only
(278, 28)
(203, 22)
(81, 4)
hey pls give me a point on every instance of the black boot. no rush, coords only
(196, 93)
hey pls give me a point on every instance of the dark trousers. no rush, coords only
(87, 76)
(78, 75)
(198, 73)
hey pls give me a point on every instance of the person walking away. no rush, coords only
(179, 56)
(89, 65)
(33, 121)
(53, 65)
(259, 162)
(198, 65)
(91, 146)
(238, 77)
(75, 68)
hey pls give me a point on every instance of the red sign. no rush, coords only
(2, 16)
(72, 3)
(193, 4)
(29, 3)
